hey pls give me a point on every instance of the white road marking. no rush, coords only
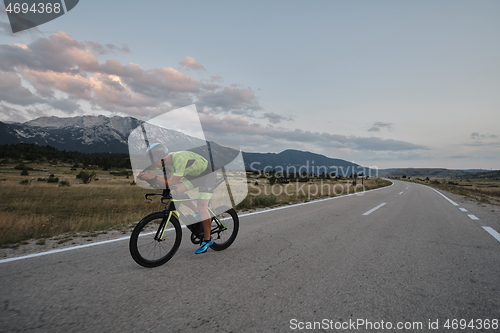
(374, 209)
(33, 255)
(444, 196)
(493, 232)
(128, 237)
(463, 209)
(62, 250)
(401, 192)
(474, 217)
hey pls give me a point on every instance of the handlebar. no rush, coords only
(166, 192)
(164, 195)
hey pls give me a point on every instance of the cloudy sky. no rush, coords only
(380, 83)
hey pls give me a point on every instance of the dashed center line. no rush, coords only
(401, 192)
(473, 217)
(463, 209)
(374, 209)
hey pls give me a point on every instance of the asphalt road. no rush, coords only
(417, 258)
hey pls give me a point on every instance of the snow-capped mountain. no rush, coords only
(87, 134)
(93, 134)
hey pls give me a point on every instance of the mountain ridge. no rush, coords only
(101, 134)
(287, 161)
(86, 134)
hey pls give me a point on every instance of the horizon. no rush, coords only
(294, 150)
(388, 84)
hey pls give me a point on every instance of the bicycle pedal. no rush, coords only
(195, 239)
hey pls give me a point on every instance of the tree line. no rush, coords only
(35, 153)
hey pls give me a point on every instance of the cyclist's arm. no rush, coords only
(151, 178)
(175, 180)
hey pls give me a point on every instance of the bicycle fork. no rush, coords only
(163, 226)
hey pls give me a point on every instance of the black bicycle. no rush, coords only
(157, 237)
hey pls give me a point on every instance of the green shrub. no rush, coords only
(264, 201)
(52, 179)
(24, 182)
(245, 204)
(121, 173)
(22, 167)
(86, 176)
(25, 172)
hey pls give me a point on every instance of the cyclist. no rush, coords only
(187, 170)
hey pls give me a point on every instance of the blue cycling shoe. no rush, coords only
(204, 246)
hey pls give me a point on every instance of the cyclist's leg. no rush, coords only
(206, 189)
(206, 221)
(184, 186)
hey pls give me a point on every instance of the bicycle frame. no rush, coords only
(170, 209)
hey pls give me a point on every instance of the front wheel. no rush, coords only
(225, 226)
(152, 242)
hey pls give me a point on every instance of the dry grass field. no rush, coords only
(262, 194)
(478, 189)
(33, 208)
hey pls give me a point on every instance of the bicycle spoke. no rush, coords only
(225, 227)
(149, 252)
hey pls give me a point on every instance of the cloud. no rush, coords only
(10, 114)
(64, 104)
(233, 127)
(106, 48)
(478, 136)
(379, 125)
(58, 53)
(190, 62)
(483, 140)
(216, 78)
(60, 72)
(13, 92)
(233, 99)
(480, 144)
(275, 118)
(60, 65)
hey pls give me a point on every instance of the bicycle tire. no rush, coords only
(223, 239)
(148, 252)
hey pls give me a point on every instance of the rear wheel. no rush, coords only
(225, 228)
(148, 247)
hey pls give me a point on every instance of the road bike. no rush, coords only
(157, 237)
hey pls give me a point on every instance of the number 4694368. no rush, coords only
(36, 8)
